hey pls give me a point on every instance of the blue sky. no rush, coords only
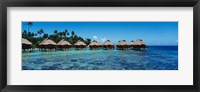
(152, 33)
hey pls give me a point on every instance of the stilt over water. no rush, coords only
(137, 45)
(50, 45)
(80, 45)
(63, 44)
(26, 45)
(108, 45)
(95, 45)
(47, 44)
(122, 45)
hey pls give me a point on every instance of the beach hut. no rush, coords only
(79, 45)
(40, 46)
(43, 41)
(95, 45)
(132, 44)
(108, 45)
(47, 44)
(122, 45)
(138, 44)
(63, 44)
(26, 44)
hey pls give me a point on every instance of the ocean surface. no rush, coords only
(154, 58)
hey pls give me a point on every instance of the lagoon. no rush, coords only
(154, 58)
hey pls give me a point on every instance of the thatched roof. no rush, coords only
(139, 42)
(43, 41)
(95, 43)
(48, 42)
(108, 42)
(80, 43)
(132, 43)
(122, 42)
(63, 42)
(25, 41)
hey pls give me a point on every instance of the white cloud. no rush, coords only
(95, 37)
(103, 39)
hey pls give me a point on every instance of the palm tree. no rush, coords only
(32, 34)
(72, 36)
(45, 35)
(68, 33)
(29, 25)
(87, 41)
(65, 33)
(55, 32)
(75, 39)
(35, 34)
(24, 34)
(60, 34)
(73, 33)
(40, 32)
(29, 34)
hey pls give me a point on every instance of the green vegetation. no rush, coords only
(40, 35)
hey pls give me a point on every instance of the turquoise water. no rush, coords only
(154, 58)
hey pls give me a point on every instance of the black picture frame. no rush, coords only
(98, 3)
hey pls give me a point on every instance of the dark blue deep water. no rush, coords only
(154, 58)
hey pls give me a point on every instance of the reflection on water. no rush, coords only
(155, 58)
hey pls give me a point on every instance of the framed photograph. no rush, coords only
(106, 45)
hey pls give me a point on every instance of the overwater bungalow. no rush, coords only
(122, 45)
(79, 45)
(48, 44)
(40, 46)
(63, 44)
(95, 45)
(26, 45)
(108, 45)
(132, 44)
(138, 44)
